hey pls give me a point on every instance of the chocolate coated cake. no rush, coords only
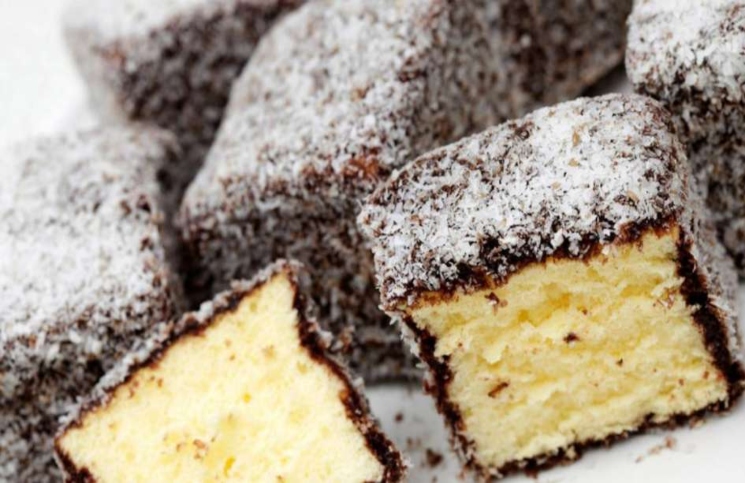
(690, 55)
(167, 62)
(339, 95)
(561, 279)
(83, 277)
(242, 390)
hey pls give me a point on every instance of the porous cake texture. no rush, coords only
(339, 95)
(167, 62)
(690, 55)
(83, 276)
(242, 390)
(560, 278)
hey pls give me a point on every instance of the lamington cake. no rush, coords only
(83, 276)
(690, 55)
(559, 277)
(167, 62)
(339, 94)
(242, 390)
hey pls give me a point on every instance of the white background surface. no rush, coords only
(40, 93)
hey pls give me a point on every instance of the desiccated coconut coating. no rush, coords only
(83, 276)
(556, 182)
(168, 62)
(691, 56)
(432, 220)
(567, 181)
(338, 95)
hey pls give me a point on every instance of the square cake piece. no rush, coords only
(690, 55)
(342, 92)
(167, 62)
(559, 278)
(243, 390)
(83, 276)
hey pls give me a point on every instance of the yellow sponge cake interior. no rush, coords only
(572, 352)
(241, 399)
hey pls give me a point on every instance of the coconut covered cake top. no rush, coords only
(554, 182)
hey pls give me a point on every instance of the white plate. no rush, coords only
(40, 92)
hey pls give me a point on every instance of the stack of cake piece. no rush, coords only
(559, 275)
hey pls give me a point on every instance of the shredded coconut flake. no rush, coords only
(342, 92)
(698, 42)
(690, 55)
(136, 18)
(586, 168)
(83, 276)
(73, 222)
(353, 89)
